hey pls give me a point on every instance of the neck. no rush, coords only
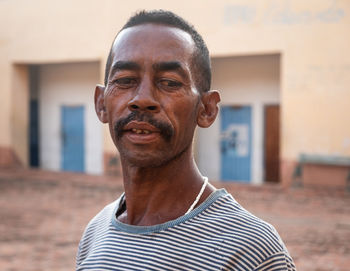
(160, 194)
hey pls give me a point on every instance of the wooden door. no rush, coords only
(272, 143)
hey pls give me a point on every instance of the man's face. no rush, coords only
(151, 101)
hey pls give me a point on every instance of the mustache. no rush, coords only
(165, 129)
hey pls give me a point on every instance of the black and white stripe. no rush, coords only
(218, 235)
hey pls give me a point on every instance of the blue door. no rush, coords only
(72, 138)
(236, 143)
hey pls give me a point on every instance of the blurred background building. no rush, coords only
(282, 66)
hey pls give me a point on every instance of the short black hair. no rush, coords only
(200, 66)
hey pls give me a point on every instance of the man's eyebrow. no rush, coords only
(170, 66)
(124, 65)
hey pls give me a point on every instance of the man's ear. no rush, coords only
(208, 109)
(100, 103)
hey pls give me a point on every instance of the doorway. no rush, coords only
(70, 135)
(252, 81)
(34, 141)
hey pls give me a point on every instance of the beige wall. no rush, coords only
(5, 82)
(19, 112)
(311, 36)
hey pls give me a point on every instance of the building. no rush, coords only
(282, 66)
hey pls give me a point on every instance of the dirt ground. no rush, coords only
(43, 215)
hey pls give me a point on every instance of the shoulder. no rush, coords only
(235, 219)
(95, 228)
(102, 218)
(244, 235)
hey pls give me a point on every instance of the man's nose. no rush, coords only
(144, 99)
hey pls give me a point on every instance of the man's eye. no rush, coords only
(125, 82)
(170, 84)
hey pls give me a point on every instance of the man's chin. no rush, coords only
(145, 162)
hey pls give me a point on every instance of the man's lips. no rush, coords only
(137, 126)
(141, 132)
(140, 127)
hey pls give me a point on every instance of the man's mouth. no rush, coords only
(140, 127)
(139, 131)
(143, 125)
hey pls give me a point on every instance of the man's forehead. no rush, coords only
(151, 34)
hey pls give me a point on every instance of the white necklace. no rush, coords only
(199, 195)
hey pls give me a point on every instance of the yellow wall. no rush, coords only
(311, 36)
(19, 114)
(5, 82)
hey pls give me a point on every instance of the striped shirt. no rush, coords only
(217, 235)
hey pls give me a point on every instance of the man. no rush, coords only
(156, 92)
